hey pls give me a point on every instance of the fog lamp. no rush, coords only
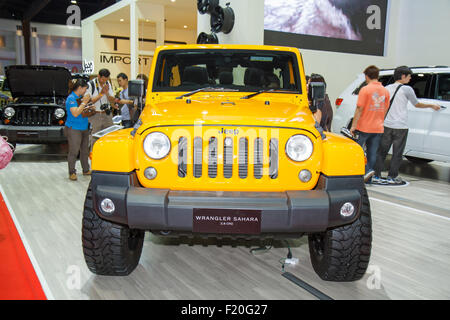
(305, 176)
(150, 173)
(108, 206)
(347, 210)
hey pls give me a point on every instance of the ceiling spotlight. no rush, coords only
(73, 2)
(185, 27)
(122, 20)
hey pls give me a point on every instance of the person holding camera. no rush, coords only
(128, 107)
(102, 97)
(77, 129)
(324, 114)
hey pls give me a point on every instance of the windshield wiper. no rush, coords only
(206, 89)
(266, 91)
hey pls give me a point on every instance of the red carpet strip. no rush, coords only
(18, 280)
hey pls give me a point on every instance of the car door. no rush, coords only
(437, 140)
(419, 120)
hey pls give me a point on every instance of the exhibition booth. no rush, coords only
(182, 150)
(123, 37)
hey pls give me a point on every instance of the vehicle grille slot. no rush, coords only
(22, 118)
(273, 158)
(228, 158)
(212, 159)
(198, 157)
(29, 116)
(19, 117)
(243, 158)
(34, 116)
(182, 157)
(258, 159)
(45, 119)
(42, 116)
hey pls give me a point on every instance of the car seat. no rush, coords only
(226, 78)
(195, 76)
(254, 77)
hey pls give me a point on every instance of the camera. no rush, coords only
(105, 107)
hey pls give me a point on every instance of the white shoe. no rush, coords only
(397, 180)
(378, 180)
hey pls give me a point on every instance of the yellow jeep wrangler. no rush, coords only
(227, 146)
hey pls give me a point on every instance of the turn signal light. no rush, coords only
(61, 122)
(339, 102)
(7, 121)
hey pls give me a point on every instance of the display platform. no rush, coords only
(410, 228)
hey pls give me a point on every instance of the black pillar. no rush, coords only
(26, 39)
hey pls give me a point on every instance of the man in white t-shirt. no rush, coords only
(102, 96)
(396, 124)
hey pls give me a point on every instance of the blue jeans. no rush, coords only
(371, 141)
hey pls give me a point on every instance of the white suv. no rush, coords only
(429, 131)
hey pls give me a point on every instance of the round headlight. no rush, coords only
(157, 145)
(59, 113)
(9, 112)
(299, 148)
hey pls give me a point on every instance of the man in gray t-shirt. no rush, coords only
(396, 124)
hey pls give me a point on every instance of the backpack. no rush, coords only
(6, 152)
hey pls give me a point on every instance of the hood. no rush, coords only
(236, 111)
(33, 81)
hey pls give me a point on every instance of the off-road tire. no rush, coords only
(109, 249)
(342, 254)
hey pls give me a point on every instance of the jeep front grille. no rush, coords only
(227, 155)
(33, 116)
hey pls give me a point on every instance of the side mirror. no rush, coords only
(316, 91)
(136, 88)
(316, 94)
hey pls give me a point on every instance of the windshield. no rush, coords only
(237, 70)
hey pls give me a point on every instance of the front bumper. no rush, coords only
(291, 212)
(33, 134)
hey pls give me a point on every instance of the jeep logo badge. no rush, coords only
(229, 131)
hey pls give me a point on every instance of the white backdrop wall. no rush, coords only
(416, 36)
(94, 45)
